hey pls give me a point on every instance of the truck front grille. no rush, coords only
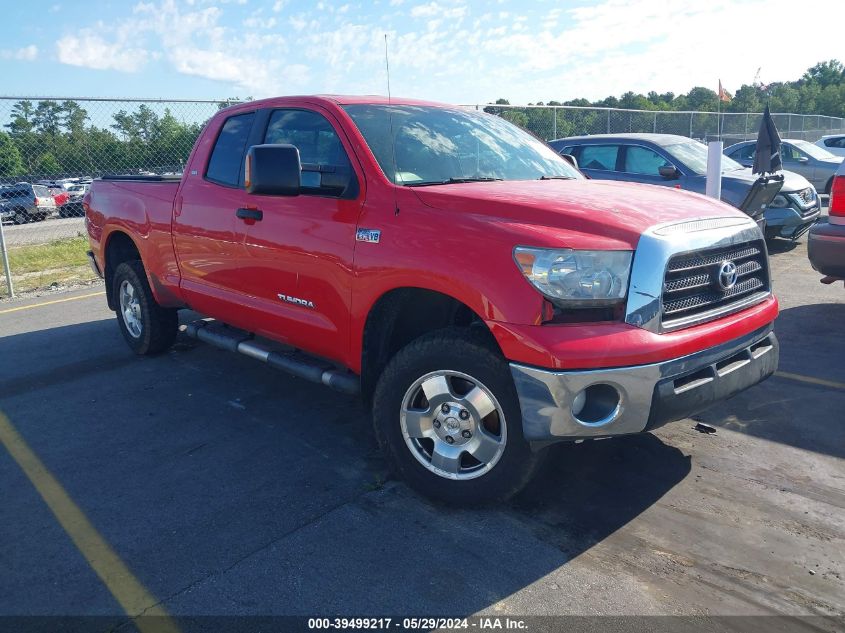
(693, 293)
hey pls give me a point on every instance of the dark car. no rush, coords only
(22, 202)
(826, 244)
(678, 161)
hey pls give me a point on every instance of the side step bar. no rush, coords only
(294, 363)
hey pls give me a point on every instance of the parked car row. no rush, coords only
(23, 202)
(680, 162)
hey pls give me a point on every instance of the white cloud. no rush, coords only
(435, 10)
(455, 51)
(91, 51)
(25, 54)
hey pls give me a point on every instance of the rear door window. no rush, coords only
(41, 192)
(745, 153)
(227, 157)
(601, 157)
(641, 160)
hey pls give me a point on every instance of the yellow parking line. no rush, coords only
(48, 303)
(113, 572)
(811, 380)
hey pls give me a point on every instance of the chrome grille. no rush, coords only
(691, 290)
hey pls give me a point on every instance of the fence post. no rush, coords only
(554, 123)
(608, 121)
(690, 123)
(6, 260)
(745, 136)
(654, 127)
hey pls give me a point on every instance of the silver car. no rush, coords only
(833, 143)
(811, 161)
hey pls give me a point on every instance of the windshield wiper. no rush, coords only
(451, 181)
(556, 178)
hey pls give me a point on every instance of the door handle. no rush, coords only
(250, 214)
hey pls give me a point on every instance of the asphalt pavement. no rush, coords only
(222, 487)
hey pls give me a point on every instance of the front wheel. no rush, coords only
(147, 327)
(447, 414)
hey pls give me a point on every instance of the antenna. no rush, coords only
(392, 137)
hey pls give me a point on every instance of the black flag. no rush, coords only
(767, 155)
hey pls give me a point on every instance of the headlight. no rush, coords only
(582, 278)
(780, 201)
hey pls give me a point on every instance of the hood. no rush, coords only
(619, 211)
(791, 180)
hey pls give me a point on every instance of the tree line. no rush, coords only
(820, 90)
(55, 138)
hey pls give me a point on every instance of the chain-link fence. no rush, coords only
(51, 149)
(552, 122)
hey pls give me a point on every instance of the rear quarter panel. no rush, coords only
(143, 211)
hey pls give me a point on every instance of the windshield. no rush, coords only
(814, 150)
(694, 155)
(440, 145)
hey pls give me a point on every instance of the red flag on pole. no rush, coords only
(723, 94)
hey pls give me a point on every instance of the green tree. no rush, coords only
(47, 118)
(47, 165)
(11, 164)
(21, 117)
(826, 73)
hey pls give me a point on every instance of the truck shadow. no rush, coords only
(267, 494)
(588, 491)
(790, 408)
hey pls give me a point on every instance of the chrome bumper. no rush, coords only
(633, 399)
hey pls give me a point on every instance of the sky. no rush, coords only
(463, 51)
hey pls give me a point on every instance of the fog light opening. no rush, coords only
(596, 405)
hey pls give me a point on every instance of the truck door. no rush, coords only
(207, 234)
(301, 250)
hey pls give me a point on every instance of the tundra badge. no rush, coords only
(368, 235)
(296, 300)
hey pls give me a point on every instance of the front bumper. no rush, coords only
(791, 222)
(826, 249)
(646, 396)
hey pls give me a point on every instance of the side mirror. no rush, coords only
(570, 159)
(669, 172)
(273, 170)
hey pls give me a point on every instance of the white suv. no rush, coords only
(833, 143)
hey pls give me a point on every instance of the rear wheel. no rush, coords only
(21, 216)
(147, 327)
(447, 414)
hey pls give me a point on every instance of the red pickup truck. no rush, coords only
(467, 281)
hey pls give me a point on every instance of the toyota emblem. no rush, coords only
(727, 275)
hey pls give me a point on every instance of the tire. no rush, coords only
(459, 368)
(147, 327)
(21, 217)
